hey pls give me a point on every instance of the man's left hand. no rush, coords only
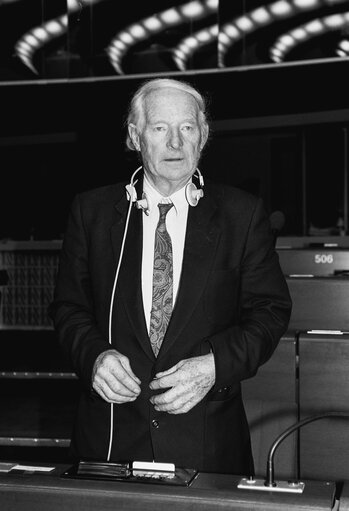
(188, 381)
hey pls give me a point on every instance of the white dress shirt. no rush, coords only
(176, 224)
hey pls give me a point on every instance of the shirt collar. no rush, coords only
(178, 198)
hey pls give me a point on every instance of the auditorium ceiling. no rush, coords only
(45, 39)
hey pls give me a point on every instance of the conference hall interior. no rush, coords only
(275, 77)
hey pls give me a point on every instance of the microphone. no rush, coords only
(277, 222)
(269, 484)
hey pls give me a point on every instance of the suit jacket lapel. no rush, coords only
(201, 241)
(130, 282)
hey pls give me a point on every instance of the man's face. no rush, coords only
(171, 139)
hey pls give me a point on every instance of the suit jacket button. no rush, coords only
(155, 424)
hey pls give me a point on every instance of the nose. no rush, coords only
(174, 140)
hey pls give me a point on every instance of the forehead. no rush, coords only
(170, 104)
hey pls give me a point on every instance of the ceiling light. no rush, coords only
(286, 39)
(212, 4)
(203, 36)
(152, 23)
(335, 20)
(231, 31)
(170, 16)
(306, 4)
(137, 31)
(344, 45)
(314, 26)
(280, 8)
(40, 34)
(299, 34)
(126, 38)
(224, 39)
(341, 53)
(192, 9)
(261, 15)
(53, 27)
(244, 23)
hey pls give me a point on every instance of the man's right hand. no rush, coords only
(113, 378)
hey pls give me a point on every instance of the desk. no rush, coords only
(344, 497)
(50, 492)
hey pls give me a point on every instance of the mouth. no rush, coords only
(173, 159)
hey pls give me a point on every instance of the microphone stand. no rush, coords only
(270, 483)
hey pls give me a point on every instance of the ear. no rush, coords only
(133, 134)
(204, 136)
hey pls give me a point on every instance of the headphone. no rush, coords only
(192, 193)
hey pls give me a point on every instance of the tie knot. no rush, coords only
(164, 209)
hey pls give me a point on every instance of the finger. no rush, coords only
(111, 397)
(117, 385)
(166, 398)
(164, 382)
(118, 372)
(185, 408)
(172, 370)
(105, 378)
(127, 366)
(180, 404)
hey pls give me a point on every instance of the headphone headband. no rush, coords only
(192, 193)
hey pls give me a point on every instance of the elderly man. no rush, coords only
(165, 307)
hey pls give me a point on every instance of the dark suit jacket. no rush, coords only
(232, 299)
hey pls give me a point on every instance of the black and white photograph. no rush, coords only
(174, 255)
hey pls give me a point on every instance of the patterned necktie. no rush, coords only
(162, 282)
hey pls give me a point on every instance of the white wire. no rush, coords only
(112, 305)
(132, 183)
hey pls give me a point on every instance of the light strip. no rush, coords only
(233, 31)
(156, 23)
(37, 37)
(318, 26)
(185, 49)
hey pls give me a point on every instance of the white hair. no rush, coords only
(136, 112)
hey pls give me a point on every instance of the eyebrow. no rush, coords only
(192, 120)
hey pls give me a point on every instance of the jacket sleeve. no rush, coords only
(72, 309)
(264, 308)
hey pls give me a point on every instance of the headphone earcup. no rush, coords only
(144, 203)
(193, 194)
(131, 193)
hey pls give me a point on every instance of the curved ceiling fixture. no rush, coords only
(238, 28)
(37, 37)
(147, 27)
(318, 26)
(189, 45)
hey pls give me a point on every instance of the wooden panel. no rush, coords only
(49, 492)
(270, 403)
(275, 379)
(344, 497)
(319, 303)
(324, 386)
(314, 261)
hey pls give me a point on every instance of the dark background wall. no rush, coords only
(279, 132)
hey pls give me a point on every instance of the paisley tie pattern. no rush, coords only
(162, 282)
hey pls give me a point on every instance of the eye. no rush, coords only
(159, 128)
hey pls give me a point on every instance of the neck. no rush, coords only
(167, 188)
